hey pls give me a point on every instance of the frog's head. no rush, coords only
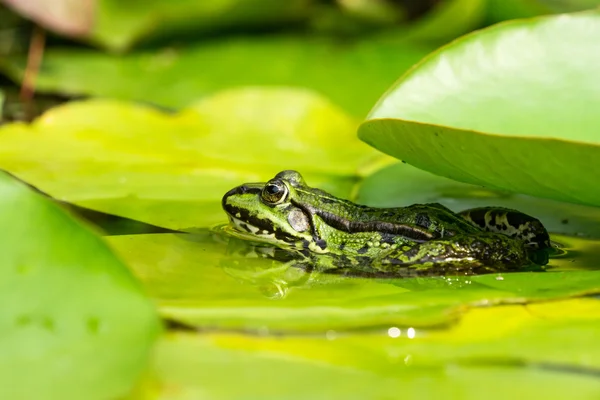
(267, 212)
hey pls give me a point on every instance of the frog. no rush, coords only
(340, 235)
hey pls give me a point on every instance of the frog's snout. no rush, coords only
(239, 192)
(235, 191)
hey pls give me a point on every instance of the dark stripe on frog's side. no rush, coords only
(408, 231)
(363, 249)
(345, 225)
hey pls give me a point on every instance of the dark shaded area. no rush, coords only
(109, 224)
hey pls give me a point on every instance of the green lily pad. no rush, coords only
(509, 108)
(413, 186)
(75, 324)
(176, 77)
(172, 170)
(209, 281)
(542, 350)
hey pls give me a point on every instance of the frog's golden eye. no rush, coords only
(274, 192)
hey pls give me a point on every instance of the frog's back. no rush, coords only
(419, 222)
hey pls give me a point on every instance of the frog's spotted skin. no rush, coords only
(509, 222)
(288, 213)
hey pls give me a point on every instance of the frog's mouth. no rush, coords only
(251, 231)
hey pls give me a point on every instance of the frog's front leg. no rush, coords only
(511, 223)
(487, 252)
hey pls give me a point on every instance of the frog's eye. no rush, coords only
(274, 192)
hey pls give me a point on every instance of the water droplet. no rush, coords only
(262, 331)
(499, 278)
(274, 290)
(411, 333)
(408, 359)
(331, 334)
(394, 332)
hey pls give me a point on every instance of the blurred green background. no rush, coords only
(151, 110)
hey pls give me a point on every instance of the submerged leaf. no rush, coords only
(74, 323)
(509, 107)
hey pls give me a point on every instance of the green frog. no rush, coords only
(340, 235)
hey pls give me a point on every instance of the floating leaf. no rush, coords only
(509, 107)
(74, 323)
(172, 170)
(542, 350)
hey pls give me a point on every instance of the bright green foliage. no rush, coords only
(500, 10)
(74, 322)
(178, 76)
(172, 170)
(119, 24)
(513, 107)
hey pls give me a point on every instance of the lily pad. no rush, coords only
(542, 350)
(178, 76)
(75, 323)
(210, 281)
(509, 107)
(171, 170)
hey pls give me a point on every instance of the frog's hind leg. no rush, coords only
(511, 223)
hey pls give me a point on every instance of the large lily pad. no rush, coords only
(509, 107)
(172, 170)
(177, 77)
(75, 323)
(207, 281)
(542, 350)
